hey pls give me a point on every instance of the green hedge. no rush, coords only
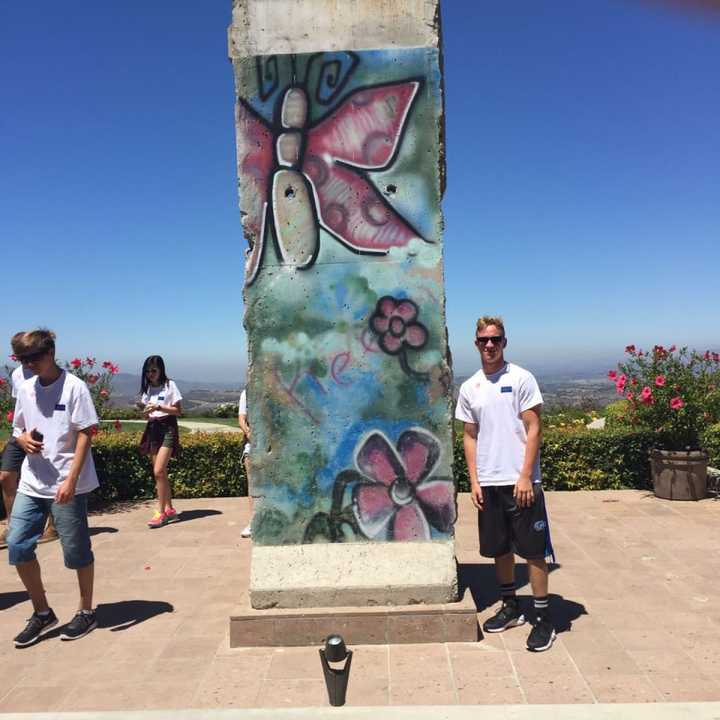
(711, 443)
(584, 460)
(209, 465)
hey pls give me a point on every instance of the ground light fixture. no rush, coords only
(336, 675)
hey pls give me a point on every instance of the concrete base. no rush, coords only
(453, 622)
(353, 574)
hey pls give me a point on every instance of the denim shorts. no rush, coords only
(27, 523)
(12, 457)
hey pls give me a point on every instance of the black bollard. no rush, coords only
(336, 679)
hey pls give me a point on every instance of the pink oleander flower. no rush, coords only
(3, 382)
(633, 381)
(104, 393)
(630, 349)
(10, 415)
(612, 374)
(660, 381)
(707, 355)
(114, 369)
(76, 363)
(89, 362)
(13, 357)
(620, 387)
(397, 497)
(117, 425)
(630, 397)
(672, 348)
(107, 364)
(646, 395)
(92, 379)
(676, 403)
(716, 357)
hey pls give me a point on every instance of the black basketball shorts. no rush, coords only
(505, 527)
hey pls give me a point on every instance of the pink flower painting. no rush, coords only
(397, 497)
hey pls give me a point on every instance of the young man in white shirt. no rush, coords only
(500, 407)
(13, 455)
(55, 418)
(245, 427)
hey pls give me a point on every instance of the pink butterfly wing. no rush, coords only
(365, 132)
(255, 161)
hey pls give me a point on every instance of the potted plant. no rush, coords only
(676, 394)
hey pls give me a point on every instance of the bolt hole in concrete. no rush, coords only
(391, 189)
(289, 191)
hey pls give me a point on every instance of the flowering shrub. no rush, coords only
(7, 403)
(98, 377)
(673, 393)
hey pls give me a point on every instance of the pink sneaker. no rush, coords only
(158, 520)
(171, 514)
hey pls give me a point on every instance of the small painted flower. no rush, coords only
(676, 403)
(660, 381)
(394, 322)
(398, 498)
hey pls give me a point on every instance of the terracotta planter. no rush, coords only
(679, 474)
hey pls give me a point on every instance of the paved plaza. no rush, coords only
(634, 595)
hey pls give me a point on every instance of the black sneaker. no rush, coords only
(507, 616)
(79, 626)
(37, 625)
(541, 636)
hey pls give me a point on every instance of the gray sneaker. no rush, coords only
(36, 626)
(79, 626)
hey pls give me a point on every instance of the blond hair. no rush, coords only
(487, 320)
(40, 340)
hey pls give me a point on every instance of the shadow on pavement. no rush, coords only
(187, 515)
(563, 612)
(8, 599)
(125, 614)
(99, 530)
(480, 579)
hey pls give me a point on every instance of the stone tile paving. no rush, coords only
(634, 594)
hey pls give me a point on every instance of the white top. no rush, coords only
(19, 375)
(495, 403)
(242, 405)
(167, 394)
(59, 411)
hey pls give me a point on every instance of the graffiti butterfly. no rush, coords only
(299, 178)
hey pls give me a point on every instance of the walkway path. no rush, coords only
(195, 426)
(634, 598)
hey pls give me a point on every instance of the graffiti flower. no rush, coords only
(394, 323)
(397, 498)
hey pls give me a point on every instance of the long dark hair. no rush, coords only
(155, 361)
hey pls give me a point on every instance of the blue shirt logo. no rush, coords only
(58, 406)
(506, 388)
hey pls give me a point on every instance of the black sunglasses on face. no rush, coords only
(496, 339)
(31, 357)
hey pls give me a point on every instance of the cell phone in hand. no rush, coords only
(37, 435)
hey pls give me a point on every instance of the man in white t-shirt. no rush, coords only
(55, 417)
(13, 455)
(245, 427)
(500, 407)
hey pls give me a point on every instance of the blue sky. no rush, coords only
(583, 198)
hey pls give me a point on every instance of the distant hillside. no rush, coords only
(197, 394)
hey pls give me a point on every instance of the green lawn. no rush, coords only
(216, 421)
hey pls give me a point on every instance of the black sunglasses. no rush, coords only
(496, 339)
(31, 357)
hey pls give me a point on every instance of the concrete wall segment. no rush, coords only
(264, 27)
(349, 388)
